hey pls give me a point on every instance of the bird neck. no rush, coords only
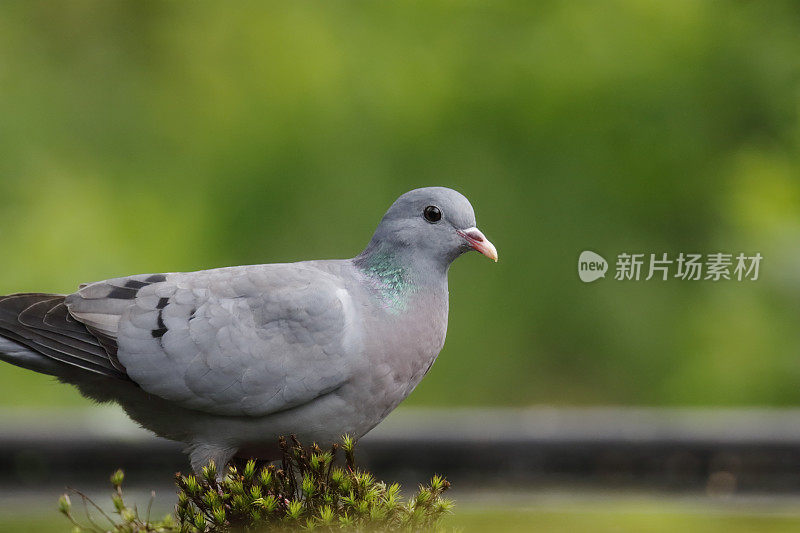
(395, 276)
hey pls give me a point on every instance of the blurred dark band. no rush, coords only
(718, 452)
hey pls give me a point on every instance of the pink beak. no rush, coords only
(479, 242)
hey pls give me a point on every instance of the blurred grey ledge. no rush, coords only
(714, 450)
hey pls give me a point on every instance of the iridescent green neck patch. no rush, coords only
(391, 281)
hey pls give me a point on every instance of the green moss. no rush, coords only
(308, 491)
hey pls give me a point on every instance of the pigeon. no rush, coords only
(227, 360)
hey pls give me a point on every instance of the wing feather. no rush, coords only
(41, 323)
(239, 341)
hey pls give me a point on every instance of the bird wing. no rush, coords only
(235, 341)
(52, 338)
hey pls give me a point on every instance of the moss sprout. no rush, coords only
(306, 490)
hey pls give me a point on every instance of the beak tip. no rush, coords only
(489, 251)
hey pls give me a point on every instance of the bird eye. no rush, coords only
(432, 214)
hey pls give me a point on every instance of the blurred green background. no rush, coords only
(146, 137)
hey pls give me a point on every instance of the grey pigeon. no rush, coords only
(226, 360)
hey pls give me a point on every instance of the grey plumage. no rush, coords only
(228, 359)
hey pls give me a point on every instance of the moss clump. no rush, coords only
(309, 491)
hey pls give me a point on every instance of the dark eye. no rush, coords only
(432, 214)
